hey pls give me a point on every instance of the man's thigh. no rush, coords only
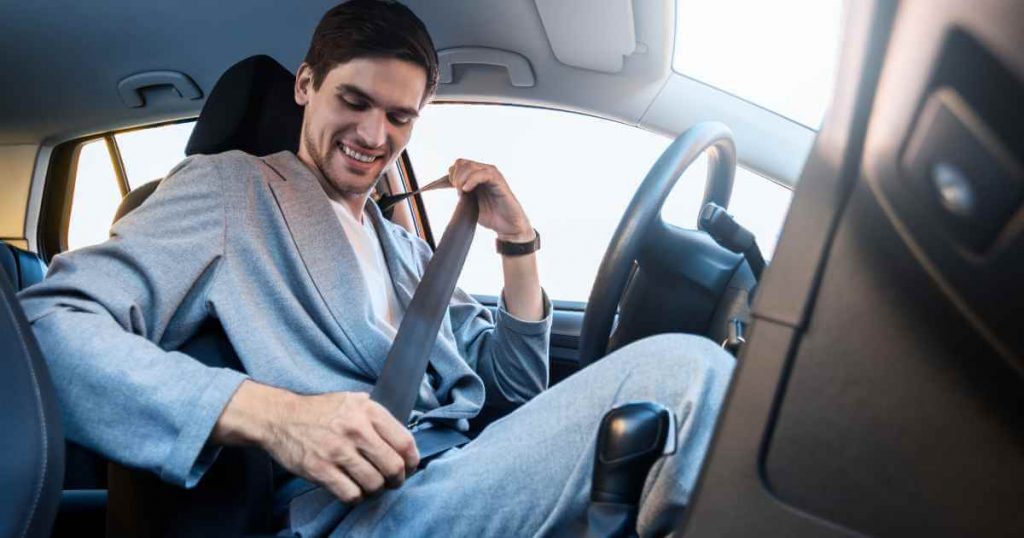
(529, 473)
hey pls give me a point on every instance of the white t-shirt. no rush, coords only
(387, 311)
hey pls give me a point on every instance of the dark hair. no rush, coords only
(371, 29)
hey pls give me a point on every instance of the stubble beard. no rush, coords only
(323, 160)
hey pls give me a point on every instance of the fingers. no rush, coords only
(397, 438)
(346, 442)
(466, 175)
(384, 459)
(483, 177)
(366, 476)
(339, 484)
(363, 458)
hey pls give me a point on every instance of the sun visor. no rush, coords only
(589, 38)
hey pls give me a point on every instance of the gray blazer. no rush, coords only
(254, 243)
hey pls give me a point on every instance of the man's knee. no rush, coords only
(675, 357)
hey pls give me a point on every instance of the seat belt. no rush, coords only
(313, 510)
(399, 381)
(386, 202)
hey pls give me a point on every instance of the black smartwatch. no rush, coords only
(508, 248)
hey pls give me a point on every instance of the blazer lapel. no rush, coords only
(326, 253)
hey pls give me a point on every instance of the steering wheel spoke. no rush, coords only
(641, 233)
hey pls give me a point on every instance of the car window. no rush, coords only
(149, 154)
(145, 154)
(95, 197)
(574, 175)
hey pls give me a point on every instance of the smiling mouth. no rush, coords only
(357, 156)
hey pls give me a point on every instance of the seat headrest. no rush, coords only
(135, 198)
(251, 108)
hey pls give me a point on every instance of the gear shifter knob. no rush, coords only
(632, 437)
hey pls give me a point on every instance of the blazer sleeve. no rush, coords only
(107, 315)
(508, 353)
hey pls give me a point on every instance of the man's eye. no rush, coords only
(399, 119)
(355, 105)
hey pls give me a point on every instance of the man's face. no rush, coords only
(359, 120)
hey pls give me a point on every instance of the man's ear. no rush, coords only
(303, 84)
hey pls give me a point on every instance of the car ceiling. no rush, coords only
(63, 60)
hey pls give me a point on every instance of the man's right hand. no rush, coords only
(343, 441)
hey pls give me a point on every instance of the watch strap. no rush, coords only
(508, 248)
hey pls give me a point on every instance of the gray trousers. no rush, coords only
(529, 473)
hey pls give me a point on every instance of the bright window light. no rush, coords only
(149, 154)
(779, 54)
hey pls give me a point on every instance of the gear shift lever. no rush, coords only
(631, 438)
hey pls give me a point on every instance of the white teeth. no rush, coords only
(356, 155)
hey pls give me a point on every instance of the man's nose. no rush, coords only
(372, 129)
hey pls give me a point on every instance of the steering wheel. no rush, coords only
(641, 224)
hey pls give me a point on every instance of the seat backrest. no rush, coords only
(135, 198)
(21, 267)
(251, 109)
(32, 444)
(84, 470)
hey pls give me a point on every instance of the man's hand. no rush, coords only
(501, 212)
(343, 441)
(499, 209)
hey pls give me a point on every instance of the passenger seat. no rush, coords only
(84, 492)
(22, 267)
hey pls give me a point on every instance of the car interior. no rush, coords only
(879, 388)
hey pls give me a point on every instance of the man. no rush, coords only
(310, 283)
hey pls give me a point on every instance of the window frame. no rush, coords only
(59, 185)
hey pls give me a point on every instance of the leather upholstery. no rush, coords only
(21, 267)
(32, 445)
(9, 265)
(84, 470)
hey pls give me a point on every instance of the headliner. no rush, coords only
(63, 59)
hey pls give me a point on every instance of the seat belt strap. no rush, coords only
(386, 202)
(398, 384)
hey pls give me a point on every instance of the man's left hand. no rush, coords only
(499, 209)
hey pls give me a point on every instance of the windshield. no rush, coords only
(780, 55)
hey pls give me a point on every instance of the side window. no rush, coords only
(148, 154)
(110, 166)
(574, 175)
(96, 196)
